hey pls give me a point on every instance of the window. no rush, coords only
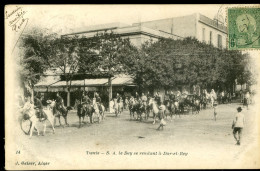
(219, 41)
(203, 34)
(210, 37)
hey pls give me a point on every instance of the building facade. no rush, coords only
(196, 25)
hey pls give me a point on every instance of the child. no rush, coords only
(162, 109)
(162, 124)
(215, 110)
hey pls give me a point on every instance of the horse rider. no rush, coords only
(60, 104)
(85, 98)
(98, 100)
(171, 96)
(39, 107)
(118, 98)
(144, 99)
(166, 96)
(158, 98)
(132, 99)
(137, 96)
(178, 95)
(185, 93)
(148, 96)
(213, 96)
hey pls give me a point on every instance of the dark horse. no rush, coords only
(60, 111)
(85, 110)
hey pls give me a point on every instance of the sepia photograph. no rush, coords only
(132, 86)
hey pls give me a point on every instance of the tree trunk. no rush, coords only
(109, 92)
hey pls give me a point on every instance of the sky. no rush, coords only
(66, 18)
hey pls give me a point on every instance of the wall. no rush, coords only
(181, 26)
(185, 26)
(215, 33)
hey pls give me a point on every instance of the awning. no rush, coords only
(86, 82)
(118, 81)
(54, 85)
(64, 84)
(96, 82)
(47, 81)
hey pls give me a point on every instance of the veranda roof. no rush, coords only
(54, 85)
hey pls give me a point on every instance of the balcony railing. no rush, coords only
(213, 23)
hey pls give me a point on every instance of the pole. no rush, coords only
(109, 91)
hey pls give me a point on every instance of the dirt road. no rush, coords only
(184, 140)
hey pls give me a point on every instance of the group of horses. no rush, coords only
(180, 105)
(29, 119)
(177, 105)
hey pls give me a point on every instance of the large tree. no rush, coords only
(107, 53)
(48, 51)
(31, 59)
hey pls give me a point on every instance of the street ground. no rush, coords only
(196, 137)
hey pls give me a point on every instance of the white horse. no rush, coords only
(50, 106)
(29, 110)
(99, 112)
(117, 107)
(156, 111)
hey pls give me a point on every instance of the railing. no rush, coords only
(213, 23)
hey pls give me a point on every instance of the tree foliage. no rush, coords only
(106, 53)
(169, 63)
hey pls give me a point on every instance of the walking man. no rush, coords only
(238, 125)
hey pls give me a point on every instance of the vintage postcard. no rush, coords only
(132, 87)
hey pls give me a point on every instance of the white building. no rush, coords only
(195, 25)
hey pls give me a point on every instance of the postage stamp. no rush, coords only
(243, 28)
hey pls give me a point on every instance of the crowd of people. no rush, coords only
(120, 102)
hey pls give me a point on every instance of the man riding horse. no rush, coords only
(60, 104)
(98, 101)
(38, 105)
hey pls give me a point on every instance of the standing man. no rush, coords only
(247, 99)
(118, 106)
(238, 125)
(241, 96)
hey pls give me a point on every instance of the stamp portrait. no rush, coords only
(243, 28)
